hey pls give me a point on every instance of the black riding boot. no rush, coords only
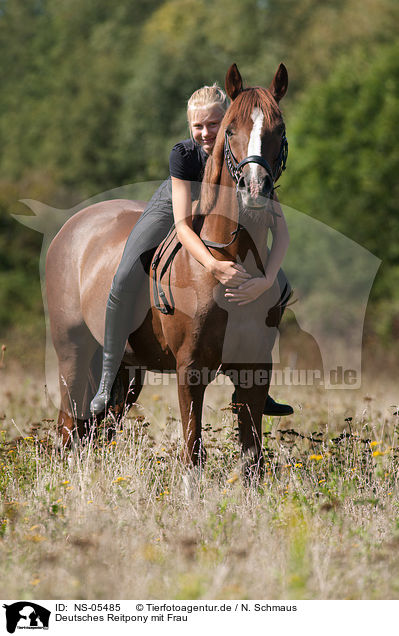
(118, 319)
(274, 408)
(270, 408)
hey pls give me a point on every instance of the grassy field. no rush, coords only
(110, 520)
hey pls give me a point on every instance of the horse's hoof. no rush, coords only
(253, 469)
(191, 483)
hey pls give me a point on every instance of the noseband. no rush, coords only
(235, 168)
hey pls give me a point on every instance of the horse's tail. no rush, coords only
(46, 219)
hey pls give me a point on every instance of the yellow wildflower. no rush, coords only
(316, 458)
(372, 444)
(35, 538)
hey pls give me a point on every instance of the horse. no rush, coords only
(202, 331)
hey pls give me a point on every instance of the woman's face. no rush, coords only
(204, 124)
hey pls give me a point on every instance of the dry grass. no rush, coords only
(110, 520)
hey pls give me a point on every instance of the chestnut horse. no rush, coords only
(204, 331)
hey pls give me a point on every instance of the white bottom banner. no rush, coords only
(171, 617)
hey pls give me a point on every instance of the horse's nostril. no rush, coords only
(267, 185)
(241, 183)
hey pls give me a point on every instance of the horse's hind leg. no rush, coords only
(127, 388)
(125, 392)
(78, 375)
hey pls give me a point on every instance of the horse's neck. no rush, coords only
(224, 218)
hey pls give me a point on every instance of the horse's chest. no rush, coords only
(246, 337)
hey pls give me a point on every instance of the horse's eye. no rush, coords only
(229, 132)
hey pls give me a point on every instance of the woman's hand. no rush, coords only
(249, 291)
(229, 273)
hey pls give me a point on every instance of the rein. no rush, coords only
(235, 168)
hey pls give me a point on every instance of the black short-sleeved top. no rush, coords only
(187, 162)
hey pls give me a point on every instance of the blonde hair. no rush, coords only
(206, 97)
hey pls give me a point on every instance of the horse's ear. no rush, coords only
(233, 82)
(279, 85)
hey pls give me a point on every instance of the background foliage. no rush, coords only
(93, 97)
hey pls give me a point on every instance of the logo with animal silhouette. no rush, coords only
(26, 615)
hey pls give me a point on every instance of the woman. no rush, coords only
(172, 203)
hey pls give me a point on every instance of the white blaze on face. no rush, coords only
(255, 139)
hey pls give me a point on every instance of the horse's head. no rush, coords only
(251, 141)
(255, 145)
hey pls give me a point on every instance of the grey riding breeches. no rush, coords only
(149, 231)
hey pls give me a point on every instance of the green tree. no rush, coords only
(344, 156)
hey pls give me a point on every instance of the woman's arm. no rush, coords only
(226, 272)
(252, 289)
(281, 241)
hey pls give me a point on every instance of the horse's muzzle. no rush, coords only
(255, 189)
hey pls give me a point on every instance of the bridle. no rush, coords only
(235, 168)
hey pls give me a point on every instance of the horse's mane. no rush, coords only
(239, 111)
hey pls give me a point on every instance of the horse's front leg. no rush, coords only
(250, 402)
(191, 396)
